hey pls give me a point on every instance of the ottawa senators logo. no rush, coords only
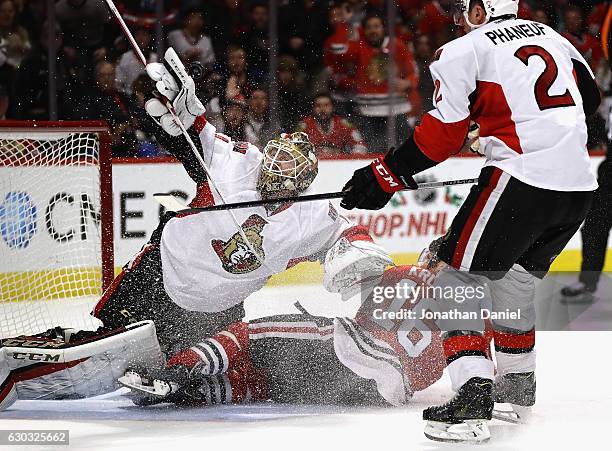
(236, 255)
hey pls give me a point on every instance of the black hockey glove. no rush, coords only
(373, 186)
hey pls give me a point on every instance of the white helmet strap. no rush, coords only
(473, 26)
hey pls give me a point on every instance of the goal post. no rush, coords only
(56, 223)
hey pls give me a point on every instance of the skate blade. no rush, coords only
(515, 415)
(472, 431)
(586, 298)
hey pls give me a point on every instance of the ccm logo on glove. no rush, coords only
(387, 181)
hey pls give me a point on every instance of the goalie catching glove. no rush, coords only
(174, 83)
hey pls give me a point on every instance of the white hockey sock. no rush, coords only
(464, 368)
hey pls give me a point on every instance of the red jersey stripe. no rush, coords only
(492, 113)
(439, 140)
(468, 228)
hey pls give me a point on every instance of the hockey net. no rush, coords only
(56, 247)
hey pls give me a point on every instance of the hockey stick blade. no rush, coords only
(309, 198)
(169, 202)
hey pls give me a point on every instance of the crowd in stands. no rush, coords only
(339, 74)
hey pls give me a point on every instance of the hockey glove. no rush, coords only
(373, 186)
(174, 83)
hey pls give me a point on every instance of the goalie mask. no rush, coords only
(493, 8)
(289, 166)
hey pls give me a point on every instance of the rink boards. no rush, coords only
(405, 226)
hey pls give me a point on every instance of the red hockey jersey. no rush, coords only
(342, 136)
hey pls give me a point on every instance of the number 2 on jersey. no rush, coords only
(546, 79)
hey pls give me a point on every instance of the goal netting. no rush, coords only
(55, 224)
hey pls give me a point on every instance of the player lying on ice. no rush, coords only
(303, 359)
(193, 275)
(529, 90)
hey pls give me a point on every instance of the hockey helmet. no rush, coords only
(493, 8)
(289, 166)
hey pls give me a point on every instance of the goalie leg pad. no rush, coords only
(51, 369)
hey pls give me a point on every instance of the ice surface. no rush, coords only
(573, 411)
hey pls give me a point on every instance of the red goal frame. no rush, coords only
(106, 178)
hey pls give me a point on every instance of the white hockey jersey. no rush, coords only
(206, 264)
(515, 79)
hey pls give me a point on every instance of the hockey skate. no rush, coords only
(160, 385)
(518, 391)
(577, 293)
(464, 418)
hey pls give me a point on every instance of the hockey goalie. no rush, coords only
(189, 281)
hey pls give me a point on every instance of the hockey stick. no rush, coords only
(172, 204)
(168, 104)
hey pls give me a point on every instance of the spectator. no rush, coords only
(411, 7)
(129, 66)
(596, 17)
(32, 81)
(583, 41)
(4, 101)
(359, 10)
(237, 83)
(334, 51)
(103, 101)
(436, 20)
(7, 76)
(423, 53)
(14, 38)
(190, 42)
(540, 15)
(144, 128)
(222, 19)
(255, 38)
(258, 127)
(291, 97)
(33, 17)
(210, 89)
(329, 132)
(85, 35)
(524, 11)
(343, 32)
(303, 32)
(591, 49)
(369, 79)
(234, 118)
(144, 12)
(556, 10)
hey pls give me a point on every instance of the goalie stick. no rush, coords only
(171, 203)
(173, 63)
